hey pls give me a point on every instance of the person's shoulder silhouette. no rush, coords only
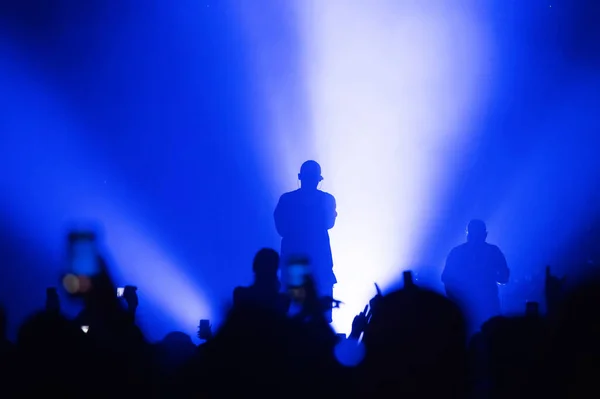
(265, 290)
(476, 252)
(241, 295)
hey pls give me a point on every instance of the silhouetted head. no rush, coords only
(266, 262)
(310, 175)
(476, 231)
(177, 338)
(177, 343)
(414, 337)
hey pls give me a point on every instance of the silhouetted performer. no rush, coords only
(303, 218)
(472, 274)
(265, 292)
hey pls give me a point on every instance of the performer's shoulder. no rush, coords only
(327, 196)
(289, 194)
(494, 248)
(459, 248)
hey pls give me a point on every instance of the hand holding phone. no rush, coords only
(204, 330)
(408, 279)
(130, 296)
(360, 322)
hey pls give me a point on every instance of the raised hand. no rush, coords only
(359, 324)
(131, 297)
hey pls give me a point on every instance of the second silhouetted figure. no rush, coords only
(472, 274)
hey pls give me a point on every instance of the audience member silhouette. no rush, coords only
(415, 346)
(265, 291)
(174, 351)
(303, 218)
(572, 358)
(472, 274)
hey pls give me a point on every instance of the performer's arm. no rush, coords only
(331, 214)
(281, 220)
(449, 275)
(503, 272)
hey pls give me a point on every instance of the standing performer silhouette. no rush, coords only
(303, 218)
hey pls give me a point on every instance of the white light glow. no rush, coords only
(160, 281)
(382, 93)
(393, 86)
(390, 86)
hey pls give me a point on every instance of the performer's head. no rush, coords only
(310, 175)
(476, 231)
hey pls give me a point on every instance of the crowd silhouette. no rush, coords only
(408, 343)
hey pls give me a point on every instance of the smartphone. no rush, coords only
(120, 292)
(204, 329)
(296, 275)
(408, 279)
(83, 253)
(85, 329)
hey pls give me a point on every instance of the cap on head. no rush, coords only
(310, 170)
(476, 230)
